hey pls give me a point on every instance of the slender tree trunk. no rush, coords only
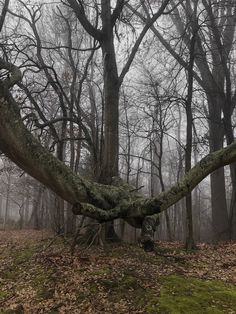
(189, 245)
(1, 208)
(111, 109)
(59, 202)
(34, 221)
(220, 222)
(70, 224)
(196, 204)
(230, 139)
(111, 113)
(22, 212)
(27, 201)
(7, 206)
(70, 221)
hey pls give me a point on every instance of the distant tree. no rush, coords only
(212, 71)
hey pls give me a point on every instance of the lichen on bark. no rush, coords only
(98, 201)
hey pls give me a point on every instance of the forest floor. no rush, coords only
(39, 275)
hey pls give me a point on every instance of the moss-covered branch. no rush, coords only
(14, 73)
(200, 171)
(95, 200)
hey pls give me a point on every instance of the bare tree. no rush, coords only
(212, 61)
(102, 202)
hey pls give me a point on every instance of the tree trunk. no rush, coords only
(27, 203)
(220, 222)
(7, 206)
(70, 225)
(111, 113)
(1, 208)
(230, 139)
(111, 109)
(100, 202)
(189, 244)
(34, 221)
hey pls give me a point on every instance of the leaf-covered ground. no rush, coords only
(39, 275)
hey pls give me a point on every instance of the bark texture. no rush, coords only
(97, 201)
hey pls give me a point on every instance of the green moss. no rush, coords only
(82, 269)
(93, 288)
(20, 259)
(18, 310)
(80, 296)
(45, 293)
(128, 281)
(3, 295)
(119, 285)
(109, 285)
(41, 283)
(23, 255)
(10, 274)
(40, 279)
(189, 295)
(177, 295)
(146, 299)
(102, 271)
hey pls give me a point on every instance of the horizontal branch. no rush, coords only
(101, 202)
(200, 171)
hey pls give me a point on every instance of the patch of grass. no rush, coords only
(189, 295)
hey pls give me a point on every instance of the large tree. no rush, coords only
(98, 201)
(103, 31)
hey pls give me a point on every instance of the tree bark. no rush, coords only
(189, 244)
(220, 222)
(98, 201)
(7, 205)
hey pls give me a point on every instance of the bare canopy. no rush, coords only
(101, 202)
